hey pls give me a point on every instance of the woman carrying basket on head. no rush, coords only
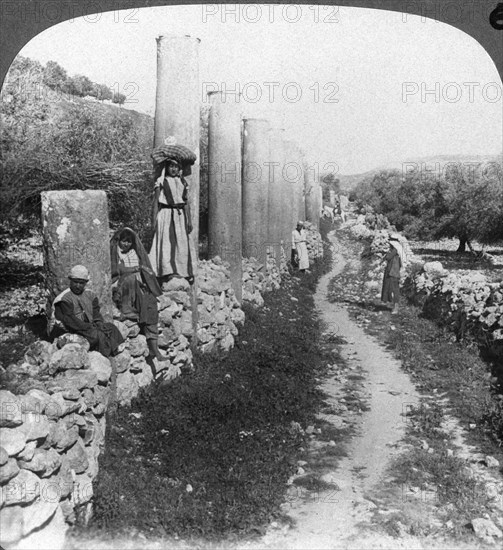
(170, 253)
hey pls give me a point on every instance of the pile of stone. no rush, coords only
(217, 306)
(314, 242)
(255, 281)
(51, 435)
(463, 298)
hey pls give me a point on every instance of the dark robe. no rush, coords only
(391, 281)
(80, 314)
(136, 299)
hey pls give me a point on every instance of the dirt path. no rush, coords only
(336, 516)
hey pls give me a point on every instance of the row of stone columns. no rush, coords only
(259, 183)
(259, 186)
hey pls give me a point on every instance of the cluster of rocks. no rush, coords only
(464, 299)
(218, 308)
(51, 435)
(314, 241)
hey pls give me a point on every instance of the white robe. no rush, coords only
(299, 243)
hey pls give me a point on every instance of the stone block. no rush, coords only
(68, 338)
(28, 452)
(61, 437)
(30, 403)
(122, 361)
(35, 426)
(176, 283)
(44, 463)
(77, 457)
(82, 490)
(70, 356)
(101, 366)
(127, 387)
(163, 302)
(23, 489)
(50, 535)
(8, 471)
(137, 346)
(10, 410)
(13, 440)
(4, 456)
(73, 379)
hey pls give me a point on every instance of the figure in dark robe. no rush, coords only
(135, 286)
(78, 310)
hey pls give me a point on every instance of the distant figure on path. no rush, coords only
(391, 281)
(135, 287)
(343, 207)
(78, 310)
(299, 246)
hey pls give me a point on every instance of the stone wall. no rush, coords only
(52, 421)
(51, 435)
(464, 302)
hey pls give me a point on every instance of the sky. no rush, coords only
(357, 88)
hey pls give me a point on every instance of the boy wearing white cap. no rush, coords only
(78, 310)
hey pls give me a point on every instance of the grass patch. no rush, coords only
(210, 455)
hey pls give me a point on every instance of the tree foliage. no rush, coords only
(50, 143)
(463, 201)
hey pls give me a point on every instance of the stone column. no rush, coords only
(224, 190)
(290, 196)
(313, 196)
(275, 202)
(301, 212)
(255, 187)
(332, 197)
(177, 106)
(177, 114)
(75, 231)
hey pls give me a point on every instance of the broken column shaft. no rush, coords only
(75, 232)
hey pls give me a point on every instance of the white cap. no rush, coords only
(79, 272)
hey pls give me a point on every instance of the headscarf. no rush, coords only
(146, 268)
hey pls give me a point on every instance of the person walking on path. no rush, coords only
(391, 281)
(78, 310)
(135, 286)
(299, 246)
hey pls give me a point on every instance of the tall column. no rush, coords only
(301, 212)
(290, 192)
(177, 114)
(255, 187)
(75, 232)
(275, 181)
(224, 190)
(313, 196)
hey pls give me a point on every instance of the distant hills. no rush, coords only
(432, 163)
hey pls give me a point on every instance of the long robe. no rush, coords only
(170, 250)
(80, 314)
(391, 280)
(299, 243)
(137, 287)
